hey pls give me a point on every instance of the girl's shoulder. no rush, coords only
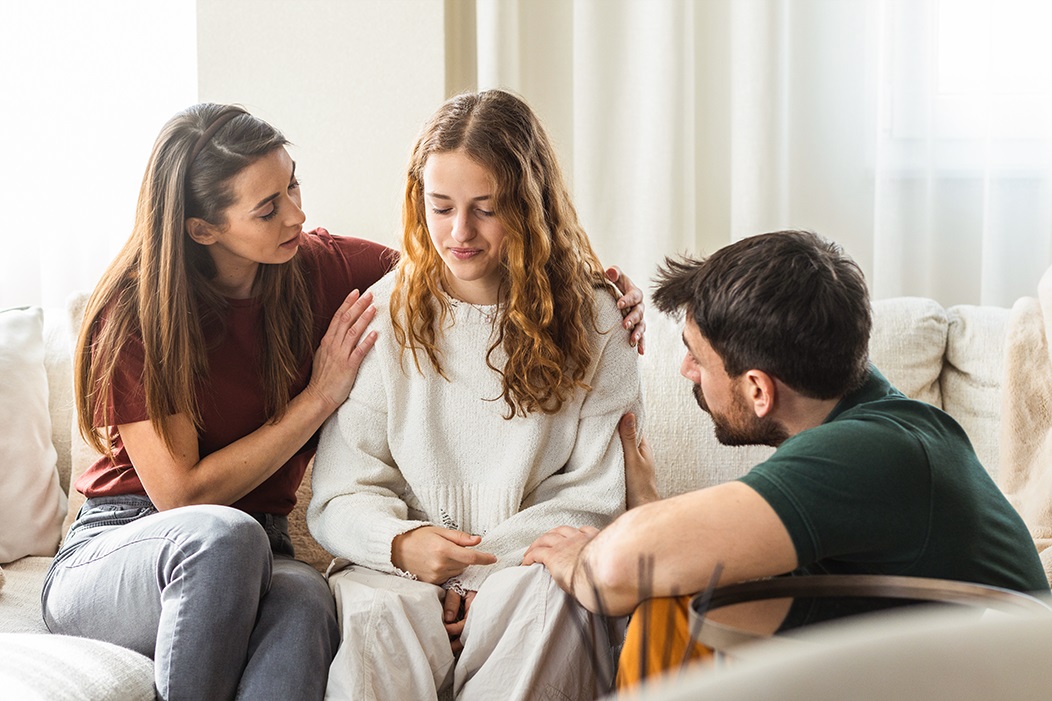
(607, 315)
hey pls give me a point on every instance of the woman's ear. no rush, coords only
(201, 231)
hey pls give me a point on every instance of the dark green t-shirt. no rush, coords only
(890, 485)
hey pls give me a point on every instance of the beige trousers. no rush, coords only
(524, 639)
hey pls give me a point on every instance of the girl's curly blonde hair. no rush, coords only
(548, 267)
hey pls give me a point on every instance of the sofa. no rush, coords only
(951, 358)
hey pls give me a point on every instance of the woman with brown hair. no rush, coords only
(213, 348)
(486, 415)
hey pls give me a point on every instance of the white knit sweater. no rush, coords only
(410, 448)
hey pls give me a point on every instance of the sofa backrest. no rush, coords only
(949, 358)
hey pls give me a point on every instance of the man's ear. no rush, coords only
(201, 231)
(761, 392)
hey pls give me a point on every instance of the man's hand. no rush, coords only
(559, 550)
(455, 615)
(631, 306)
(435, 554)
(640, 481)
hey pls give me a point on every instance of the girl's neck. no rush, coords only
(472, 292)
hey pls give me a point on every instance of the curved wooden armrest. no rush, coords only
(720, 636)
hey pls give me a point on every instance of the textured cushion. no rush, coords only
(64, 668)
(307, 549)
(908, 345)
(972, 376)
(20, 597)
(31, 499)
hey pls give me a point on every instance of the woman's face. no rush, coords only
(459, 197)
(263, 224)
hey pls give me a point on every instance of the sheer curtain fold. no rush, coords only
(613, 81)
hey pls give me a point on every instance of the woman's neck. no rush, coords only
(239, 284)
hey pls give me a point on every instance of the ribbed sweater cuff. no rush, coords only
(382, 533)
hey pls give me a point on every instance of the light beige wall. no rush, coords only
(349, 82)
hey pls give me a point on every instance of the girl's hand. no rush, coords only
(631, 306)
(342, 350)
(435, 554)
(455, 615)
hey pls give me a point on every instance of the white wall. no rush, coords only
(349, 83)
(84, 90)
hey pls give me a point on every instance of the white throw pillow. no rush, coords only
(31, 500)
(41, 667)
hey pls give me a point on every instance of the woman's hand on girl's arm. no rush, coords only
(435, 554)
(631, 306)
(175, 475)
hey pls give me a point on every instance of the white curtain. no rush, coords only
(85, 87)
(917, 133)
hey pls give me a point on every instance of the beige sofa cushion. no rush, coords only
(908, 345)
(20, 598)
(972, 376)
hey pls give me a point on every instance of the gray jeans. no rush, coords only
(199, 590)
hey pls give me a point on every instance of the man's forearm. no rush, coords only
(602, 581)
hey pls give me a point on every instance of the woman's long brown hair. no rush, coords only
(158, 289)
(549, 269)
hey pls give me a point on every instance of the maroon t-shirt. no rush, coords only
(230, 397)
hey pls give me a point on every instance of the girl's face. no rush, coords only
(459, 199)
(263, 224)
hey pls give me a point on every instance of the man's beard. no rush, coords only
(741, 426)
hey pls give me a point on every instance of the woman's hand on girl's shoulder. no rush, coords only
(342, 350)
(631, 306)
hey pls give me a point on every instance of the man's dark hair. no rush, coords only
(788, 303)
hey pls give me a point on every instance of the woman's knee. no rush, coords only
(301, 587)
(226, 541)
